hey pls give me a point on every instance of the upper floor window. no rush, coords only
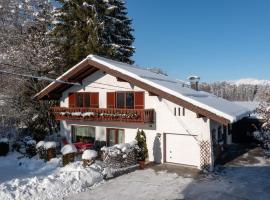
(84, 99)
(126, 100)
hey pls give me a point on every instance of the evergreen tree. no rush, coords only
(142, 152)
(117, 33)
(83, 27)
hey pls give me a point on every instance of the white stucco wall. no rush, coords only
(165, 122)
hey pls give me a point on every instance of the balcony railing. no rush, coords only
(104, 114)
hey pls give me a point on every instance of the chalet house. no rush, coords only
(111, 100)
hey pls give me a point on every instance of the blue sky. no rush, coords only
(215, 39)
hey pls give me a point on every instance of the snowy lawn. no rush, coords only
(34, 179)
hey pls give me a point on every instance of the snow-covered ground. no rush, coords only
(34, 179)
(246, 177)
(141, 184)
(232, 183)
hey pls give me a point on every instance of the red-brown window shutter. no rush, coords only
(110, 99)
(71, 99)
(94, 100)
(139, 100)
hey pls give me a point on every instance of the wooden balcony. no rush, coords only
(104, 114)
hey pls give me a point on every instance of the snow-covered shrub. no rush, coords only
(41, 151)
(263, 135)
(69, 152)
(258, 135)
(30, 147)
(88, 157)
(4, 146)
(50, 148)
(26, 139)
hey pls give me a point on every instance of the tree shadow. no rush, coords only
(234, 152)
(232, 183)
(157, 150)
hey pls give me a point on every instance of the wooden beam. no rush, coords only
(120, 79)
(200, 115)
(152, 94)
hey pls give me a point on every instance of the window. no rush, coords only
(85, 134)
(120, 100)
(224, 135)
(84, 99)
(220, 134)
(130, 100)
(115, 136)
(230, 129)
(79, 99)
(214, 137)
(126, 100)
(177, 111)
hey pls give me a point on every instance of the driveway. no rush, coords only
(157, 182)
(246, 177)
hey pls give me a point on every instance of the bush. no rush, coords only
(4, 148)
(30, 148)
(142, 151)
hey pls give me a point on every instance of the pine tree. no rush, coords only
(84, 27)
(117, 33)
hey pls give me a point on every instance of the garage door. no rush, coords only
(182, 149)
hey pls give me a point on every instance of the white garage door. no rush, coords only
(182, 149)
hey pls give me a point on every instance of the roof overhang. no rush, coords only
(88, 66)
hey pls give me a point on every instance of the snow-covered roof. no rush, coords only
(198, 99)
(220, 106)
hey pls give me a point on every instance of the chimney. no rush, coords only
(194, 82)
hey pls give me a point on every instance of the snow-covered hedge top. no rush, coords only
(125, 147)
(68, 148)
(89, 154)
(120, 148)
(40, 144)
(31, 142)
(4, 140)
(49, 145)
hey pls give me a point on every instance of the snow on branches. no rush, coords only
(263, 135)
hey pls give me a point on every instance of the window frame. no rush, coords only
(84, 95)
(116, 135)
(125, 99)
(73, 134)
